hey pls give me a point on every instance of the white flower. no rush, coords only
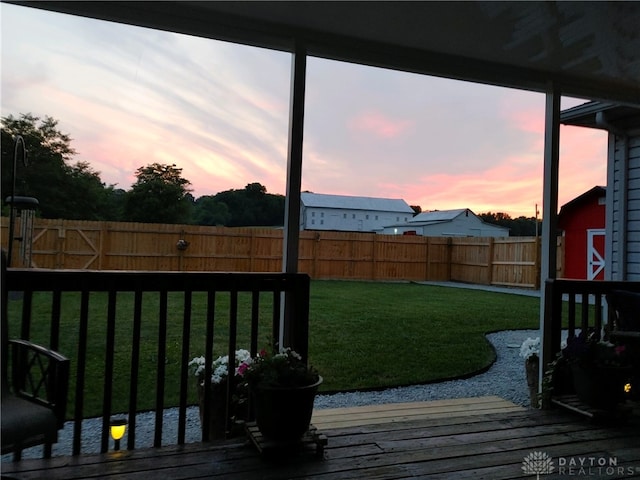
(196, 361)
(531, 346)
(219, 367)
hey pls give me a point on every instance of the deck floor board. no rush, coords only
(458, 439)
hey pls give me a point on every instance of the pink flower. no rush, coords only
(242, 368)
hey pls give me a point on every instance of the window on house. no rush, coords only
(321, 222)
(313, 222)
(322, 214)
(353, 215)
(367, 217)
(376, 217)
(344, 215)
(313, 214)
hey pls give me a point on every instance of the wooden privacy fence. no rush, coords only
(88, 245)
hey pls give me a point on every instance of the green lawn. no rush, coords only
(363, 335)
(370, 335)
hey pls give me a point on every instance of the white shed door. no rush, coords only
(595, 253)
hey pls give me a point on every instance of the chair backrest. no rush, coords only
(626, 306)
(4, 347)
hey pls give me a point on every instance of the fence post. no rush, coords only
(427, 270)
(315, 251)
(61, 245)
(101, 244)
(538, 263)
(252, 252)
(490, 261)
(449, 257)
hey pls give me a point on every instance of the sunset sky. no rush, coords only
(130, 96)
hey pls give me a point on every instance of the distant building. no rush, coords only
(351, 214)
(582, 221)
(447, 223)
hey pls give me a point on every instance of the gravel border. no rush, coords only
(506, 378)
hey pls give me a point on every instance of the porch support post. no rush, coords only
(550, 337)
(291, 237)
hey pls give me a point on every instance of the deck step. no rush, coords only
(406, 412)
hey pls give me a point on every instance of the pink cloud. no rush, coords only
(530, 121)
(514, 184)
(379, 124)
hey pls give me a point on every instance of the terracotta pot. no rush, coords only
(283, 414)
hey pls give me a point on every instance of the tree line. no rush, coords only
(160, 193)
(75, 191)
(518, 227)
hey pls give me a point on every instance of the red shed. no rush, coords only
(583, 222)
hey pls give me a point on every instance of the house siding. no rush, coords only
(633, 209)
(621, 206)
(319, 218)
(464, 224)
(351, 214)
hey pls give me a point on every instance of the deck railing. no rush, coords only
(577, 304)
(233, 310)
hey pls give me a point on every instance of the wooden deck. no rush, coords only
(481, 438)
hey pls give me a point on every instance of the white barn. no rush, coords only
(461, 222)
(351, 214)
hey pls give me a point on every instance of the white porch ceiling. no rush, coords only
(591, 49)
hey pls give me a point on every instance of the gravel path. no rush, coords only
(506, 379)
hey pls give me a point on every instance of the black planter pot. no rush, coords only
(217, 418)
(600, 387)
(283, 414)
(220, 427)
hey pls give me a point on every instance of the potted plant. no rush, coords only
(601, 370)
(530, 351)
(283, 389)
(219, 384)
(556, 380)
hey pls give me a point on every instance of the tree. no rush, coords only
(63, 190)
(160, 195)
(89, 198)
(252, 206)
(209, 211)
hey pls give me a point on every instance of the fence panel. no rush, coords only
(515, 262)
(401, 257)
(471, 260)
(438, 263)
(66, 244)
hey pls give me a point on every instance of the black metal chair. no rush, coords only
(34, 389)
(626, 311)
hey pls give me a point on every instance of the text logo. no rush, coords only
(537, 463)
